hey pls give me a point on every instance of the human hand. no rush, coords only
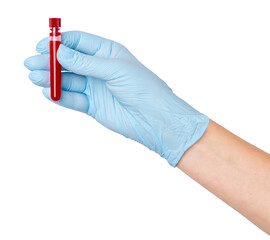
(103, 79)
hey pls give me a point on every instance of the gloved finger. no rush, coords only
(38, 62)
(84, 42)
(70, 81)
(72, 100)
(40, 78)
(87, 65)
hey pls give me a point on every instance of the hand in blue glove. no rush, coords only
(104, 80)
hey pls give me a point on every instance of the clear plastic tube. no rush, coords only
(55, 67)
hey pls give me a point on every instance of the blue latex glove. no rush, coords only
(108, 83)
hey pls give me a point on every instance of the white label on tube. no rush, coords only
(55, 38)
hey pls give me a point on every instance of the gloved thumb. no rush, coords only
(87, 65)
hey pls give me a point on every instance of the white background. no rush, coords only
(64, 176)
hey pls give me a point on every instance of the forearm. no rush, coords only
(233, 170)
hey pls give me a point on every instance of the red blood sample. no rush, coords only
(55, 67)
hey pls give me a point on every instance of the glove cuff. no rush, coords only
(179, 139)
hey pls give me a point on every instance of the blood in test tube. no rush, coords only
(55, 67)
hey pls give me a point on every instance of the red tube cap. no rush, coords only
(55, 22)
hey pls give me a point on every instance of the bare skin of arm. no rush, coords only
(234, 170)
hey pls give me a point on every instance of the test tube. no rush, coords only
(55, 67)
